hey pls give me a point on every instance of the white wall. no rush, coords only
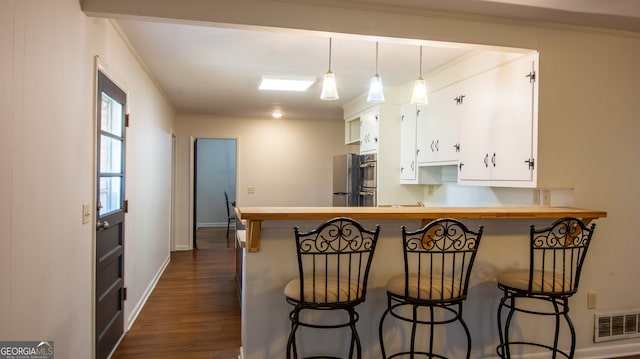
(288, 161)
(47, 133)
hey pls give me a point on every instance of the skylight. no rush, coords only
(285, 83)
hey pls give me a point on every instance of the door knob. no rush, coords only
(102, 225)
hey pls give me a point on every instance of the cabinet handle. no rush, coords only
(437, 145)
(431, 146)
(493, 159)
(401, 169)
(457, 147)
(486, 160)
(413, 165)
(460, 166)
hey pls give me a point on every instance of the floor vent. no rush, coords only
(614, 326)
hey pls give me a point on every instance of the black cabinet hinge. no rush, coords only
(531, 162)
(125, 206)
(126, 120)
(124, 293)
(532, 76)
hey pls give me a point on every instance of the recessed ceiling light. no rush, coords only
(285, 83)
(276, 114)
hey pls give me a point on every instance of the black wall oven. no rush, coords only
(367, 190)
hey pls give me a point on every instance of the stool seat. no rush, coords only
(541, 282)
(424, 287)
(323, 289)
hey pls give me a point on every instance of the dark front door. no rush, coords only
(110, 216)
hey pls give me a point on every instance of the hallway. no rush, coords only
(194, 310)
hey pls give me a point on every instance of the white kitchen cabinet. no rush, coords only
(408, 118)
(352, 131)
(437, 130)
(369, 131)
(498, 126)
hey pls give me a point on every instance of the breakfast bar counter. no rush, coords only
(268, 262)
(253, 216)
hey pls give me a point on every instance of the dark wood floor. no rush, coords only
(194, 310)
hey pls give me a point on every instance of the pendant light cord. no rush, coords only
(420, 61)
(329, 54)
(377, 59)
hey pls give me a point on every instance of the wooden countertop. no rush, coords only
(253, 216)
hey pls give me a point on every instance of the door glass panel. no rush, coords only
(111, 120)
(110, 155)
(110, 194)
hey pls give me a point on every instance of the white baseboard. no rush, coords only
(138, 308)
(608, 351)
(214, 224)
(182, 247)
(600, 352)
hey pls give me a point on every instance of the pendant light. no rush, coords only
(420, 88)
(329, 90)
(376, 94)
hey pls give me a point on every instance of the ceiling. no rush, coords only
(215, 70)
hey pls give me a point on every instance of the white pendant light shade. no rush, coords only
(420, 92)
(329, 88)
(376, 93)
(420, 88)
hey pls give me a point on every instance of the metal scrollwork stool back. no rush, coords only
(437, 260)
(333, 263)
(557, 254)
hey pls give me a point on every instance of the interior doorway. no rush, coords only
(215, 172)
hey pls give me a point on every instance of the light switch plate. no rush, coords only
(251, 189)
(86, 213)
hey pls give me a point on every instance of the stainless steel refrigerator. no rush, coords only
(346, 172)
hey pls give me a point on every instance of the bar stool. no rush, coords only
(556, 257)
(437, 262)
(333, 264)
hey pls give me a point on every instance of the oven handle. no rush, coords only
(366, 193)
(367, 164)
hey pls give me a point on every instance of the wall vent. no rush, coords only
(614, 326)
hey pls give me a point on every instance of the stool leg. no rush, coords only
(557, 332)
(291, 342)
(512, 305)
(355, 338)
(431, 327)
(384, 315)
(565, 313)
(500, 348)
(413, 329)
(466, 330)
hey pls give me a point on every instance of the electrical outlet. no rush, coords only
(546, 198)
(591, 300)
(536, 197)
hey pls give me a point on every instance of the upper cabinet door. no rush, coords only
(408, 165)
(438, 124)
(498, 124)
(369, 132)
(513, 121)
